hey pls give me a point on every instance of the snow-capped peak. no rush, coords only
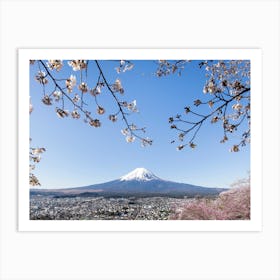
(139, 174)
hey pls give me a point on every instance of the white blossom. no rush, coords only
(95, 91)
(77, 64)
(55, 64)
(30, 106)
(33, 180)
(75, 114)
(237, 106)
(128, 67)
(47, 100)
(31, 167)
(83, 87)
(76, 98)
(132, 106)
(214, 119)
(61, 113)
(125, 131)
(180, 147)
(192, 145)
(130, 138)
(73, 80)
(100, 110)
(41, 77)
(234, 148)
(95, 123)
(113, 118)
(117, 86)
(211, 87)
(133, 127)
(146, 141)
(37, 151)
(70, 83)
(57, 95)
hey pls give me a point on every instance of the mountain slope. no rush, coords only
(138, 182)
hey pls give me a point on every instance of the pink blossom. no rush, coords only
(233, 204)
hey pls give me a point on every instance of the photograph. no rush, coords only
(139, 139)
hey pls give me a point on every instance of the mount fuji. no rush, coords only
(139, 182)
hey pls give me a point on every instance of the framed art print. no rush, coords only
(140, 139)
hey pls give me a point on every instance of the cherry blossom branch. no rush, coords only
(80, 65)
(227, 82)
(62, 90)
(197, 125)
(120, 106)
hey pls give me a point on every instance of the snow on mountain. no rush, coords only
(139, 174)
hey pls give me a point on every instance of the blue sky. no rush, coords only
(78, 154)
